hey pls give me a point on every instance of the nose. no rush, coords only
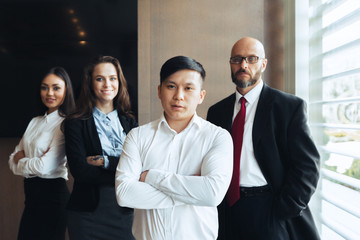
(50, 92)
(179, 94)
(107, 82)
(243, 63)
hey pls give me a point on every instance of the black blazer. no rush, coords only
(82, 140)
(286, 154)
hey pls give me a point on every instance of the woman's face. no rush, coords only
(52, 92)
(105, 83)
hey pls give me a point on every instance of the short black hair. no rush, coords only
(180, 63)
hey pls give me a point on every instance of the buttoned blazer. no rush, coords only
(285, 152)
(82, 140)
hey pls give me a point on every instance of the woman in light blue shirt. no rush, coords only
(94, 137)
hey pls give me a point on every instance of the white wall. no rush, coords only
(204, 30)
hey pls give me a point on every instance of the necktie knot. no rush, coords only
(242, 101)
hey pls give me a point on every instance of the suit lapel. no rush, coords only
(124, 122)
(262, 114)
(228, 112)
(93, 135)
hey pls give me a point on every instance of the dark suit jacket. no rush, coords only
(82, 140)
(286, 154)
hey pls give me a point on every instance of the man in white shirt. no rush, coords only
(174, 171)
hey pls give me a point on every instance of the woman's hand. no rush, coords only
(97, 160)
(19, 155)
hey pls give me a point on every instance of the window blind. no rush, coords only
(334, 112)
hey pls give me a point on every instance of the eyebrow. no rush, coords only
(99, 75)
(55, 84)
(187, 83)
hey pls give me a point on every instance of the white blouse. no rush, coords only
(44, 146)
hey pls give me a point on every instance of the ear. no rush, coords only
(159, 91)
(202, 96)
(263, 65)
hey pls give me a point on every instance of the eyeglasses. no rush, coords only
(250, 59)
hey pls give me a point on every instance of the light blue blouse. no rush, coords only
(111, 133)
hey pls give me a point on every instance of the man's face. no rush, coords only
(246, 75)
(180, 94)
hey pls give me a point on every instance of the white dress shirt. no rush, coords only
(250, 173)
(44, 146)
(189, 174)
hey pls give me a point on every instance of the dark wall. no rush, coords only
(37, 35)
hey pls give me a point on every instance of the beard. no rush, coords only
(245, 83)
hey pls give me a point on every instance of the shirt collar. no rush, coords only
(252, 95)
(195, 120)
(52, 116)
(101, 116)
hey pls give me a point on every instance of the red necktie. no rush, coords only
(237, 132)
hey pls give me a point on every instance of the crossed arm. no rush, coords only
(157, 188)
(42, 165)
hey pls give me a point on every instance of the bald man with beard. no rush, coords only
(276, 158)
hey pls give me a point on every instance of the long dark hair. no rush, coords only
(87, 98)
(68, 106)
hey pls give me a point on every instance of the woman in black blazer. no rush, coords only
(93, 138)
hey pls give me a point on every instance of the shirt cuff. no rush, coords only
(154, 177)
(106, 162)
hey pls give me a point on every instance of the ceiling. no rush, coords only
(42, 28)
(37, 35)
